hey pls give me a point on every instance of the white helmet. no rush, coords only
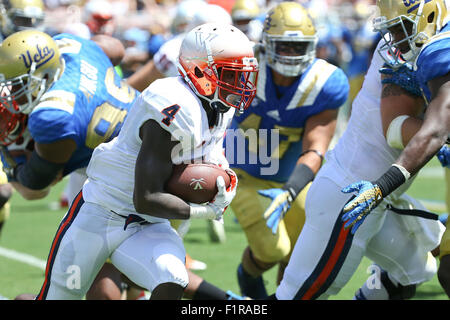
(218, 63)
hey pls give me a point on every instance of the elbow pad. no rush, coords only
(37, 173)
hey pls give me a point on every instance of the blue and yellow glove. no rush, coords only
(368, 196)
(444, 156)
(404, 77)
(281, 202)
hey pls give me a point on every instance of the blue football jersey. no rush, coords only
(270, 140)
(88, 103)
(434, 59)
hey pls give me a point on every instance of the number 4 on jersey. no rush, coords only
(170, 113)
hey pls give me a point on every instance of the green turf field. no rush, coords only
(27, 235)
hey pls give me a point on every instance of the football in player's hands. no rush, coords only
(196, 182)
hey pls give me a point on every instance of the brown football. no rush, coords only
(196, 182)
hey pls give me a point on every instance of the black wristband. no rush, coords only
(312, 150)
(391, 180)
(299, 178)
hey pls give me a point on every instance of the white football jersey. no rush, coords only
(165, 59)
(172, 104)
(363, 144)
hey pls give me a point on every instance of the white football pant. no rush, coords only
(148, 254)
(326, 255)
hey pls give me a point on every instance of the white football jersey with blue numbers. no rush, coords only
(172, 104)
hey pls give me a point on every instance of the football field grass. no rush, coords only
(27, 236)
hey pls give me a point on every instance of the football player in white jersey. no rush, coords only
(298, 97)
(122, 211)
(420, 31)
(399, 235)
(165, 65)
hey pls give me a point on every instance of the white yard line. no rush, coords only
(23, 257)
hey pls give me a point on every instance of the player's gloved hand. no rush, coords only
(403, 76)
(214, 210)
(444, 156)
(281, 202)
(367, 198)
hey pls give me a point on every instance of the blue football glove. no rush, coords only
(356, 210)
(404, 77)
(281, 202)
(444, 156)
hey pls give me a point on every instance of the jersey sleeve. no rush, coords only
(434, 60)
(335, 92)
(52, 119)
(179, 120)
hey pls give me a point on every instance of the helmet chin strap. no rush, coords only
(219, 106)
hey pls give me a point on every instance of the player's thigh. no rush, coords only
(325, 256)
(444, 248)
(265, 245)
(248, 207)
(5, 211)
(153, 255)
(447, 185)
(402, 245)
(81, 245)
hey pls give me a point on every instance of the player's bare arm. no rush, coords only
(397, 102)
(142, 78)
(43, 168)
(153, 169)
(319, 131)
(112, 47)
(434, 130)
